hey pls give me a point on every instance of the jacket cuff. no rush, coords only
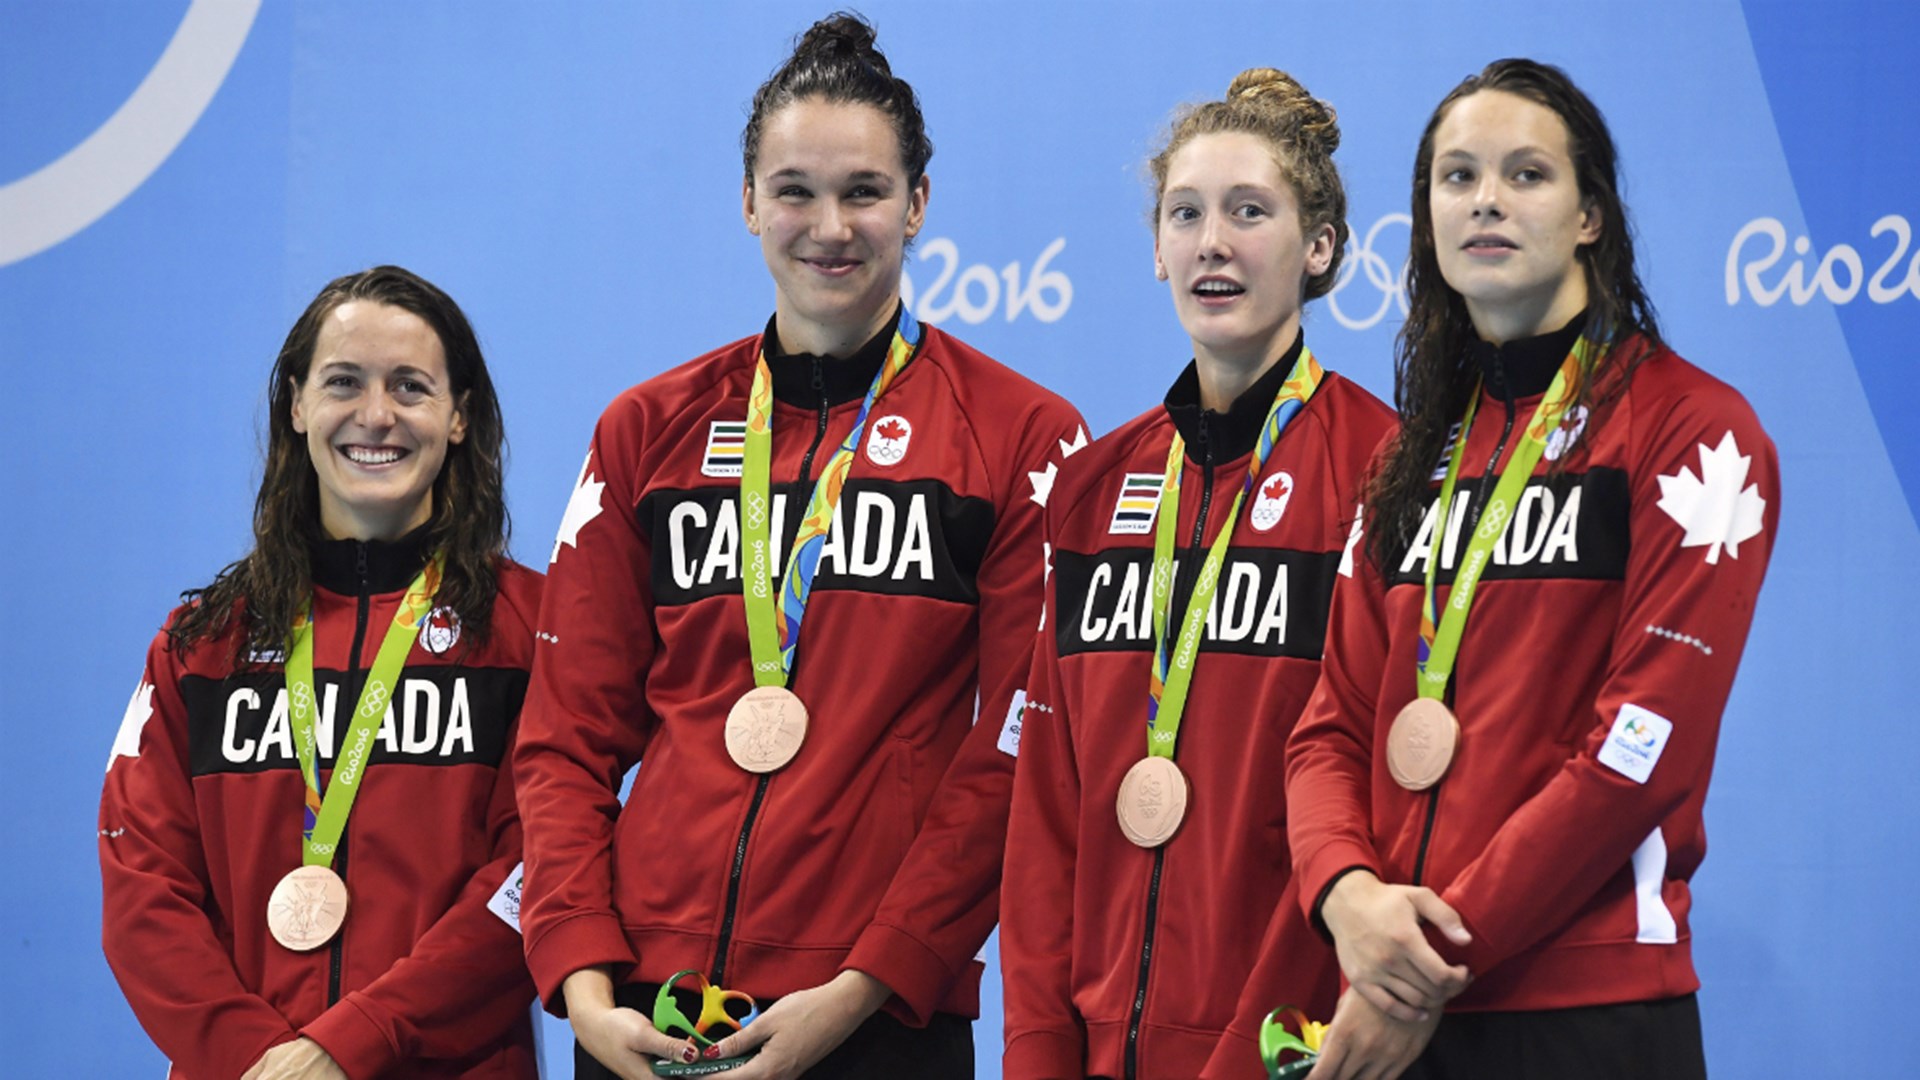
(353, 1039)
(583, 941)
(1044, 1055)
(1235, 1057)
(917, 975)
(1480, 956)
(1318, 872)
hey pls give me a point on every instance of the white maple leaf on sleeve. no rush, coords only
(1717, 508)
(1043, 479)
(583, 506)
(126, 741)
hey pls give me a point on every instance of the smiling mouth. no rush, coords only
(373, 455)
(832, 266)
(1217, 289)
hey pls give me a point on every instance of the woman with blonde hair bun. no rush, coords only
(1194, 552)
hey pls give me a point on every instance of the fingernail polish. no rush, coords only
(689, 1053)
(711, 1051)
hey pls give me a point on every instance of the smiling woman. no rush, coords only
(836, 816)
(376, 622)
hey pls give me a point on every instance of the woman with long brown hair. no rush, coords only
(1495, 792)
(309, 845)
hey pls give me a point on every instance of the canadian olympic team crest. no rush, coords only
(887, 440)
(440, 630)
(1270, 501)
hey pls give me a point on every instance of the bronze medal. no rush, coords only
(307, 908)
(1421, 743)
(1152, 802)
(765, 728)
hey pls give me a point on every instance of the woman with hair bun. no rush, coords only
(1495, 793)
(308, 826)
(816, 820)
(1194, 549)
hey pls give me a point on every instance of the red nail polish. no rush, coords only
(711, 1051)
(689, 1053)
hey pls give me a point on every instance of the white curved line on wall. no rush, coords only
(43, 208)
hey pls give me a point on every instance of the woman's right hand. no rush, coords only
(1384, 953)
(622, 1039)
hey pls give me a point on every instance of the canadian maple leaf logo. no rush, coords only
(1717, 508)
(891, 428)
(1278, 485)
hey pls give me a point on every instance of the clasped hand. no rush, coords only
(1384, 953)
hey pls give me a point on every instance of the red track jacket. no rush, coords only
(868, 850)
(1600, 650)
(201, 816)
(1113, 952)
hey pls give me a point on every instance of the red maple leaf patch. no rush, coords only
(1276, 486)
(892, 428)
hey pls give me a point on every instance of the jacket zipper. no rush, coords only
(1160, 853)
(362, 603)
(1487, 482)
(760, 786)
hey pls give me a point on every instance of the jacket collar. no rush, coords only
(1526, 366)
(839, 379)
(390, 565)
(1233, 433)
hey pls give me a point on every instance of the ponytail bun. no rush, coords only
(1302, 131)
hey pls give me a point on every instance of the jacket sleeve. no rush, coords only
(1330, 754)
(465, 982)
(1705, 493)
(586, 719)
(945, 897)
(177, 974)
(1293, 967)
(1046, 1039)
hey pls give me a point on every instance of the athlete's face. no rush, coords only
(1508, 219)
(1229, 243)
(830, 202)
(378, 412)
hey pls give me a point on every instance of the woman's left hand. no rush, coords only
(301, 1059)
(803, 1027)
(1366, 1044)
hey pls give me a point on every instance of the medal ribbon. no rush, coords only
(1172, 673)
(326, 819)
(773, 628)
(1439, 645)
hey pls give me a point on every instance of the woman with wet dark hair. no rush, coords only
(316, 755)
(1495, 793)
(816, 820)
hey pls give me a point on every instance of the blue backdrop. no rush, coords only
(177, 179)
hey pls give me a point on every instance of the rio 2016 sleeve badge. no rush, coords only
(669, 1019)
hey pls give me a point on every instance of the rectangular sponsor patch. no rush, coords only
(1009, 742)
(1139, 500)
(506, 899)
(1634, 746)
(726, 448)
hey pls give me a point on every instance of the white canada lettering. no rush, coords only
(1247, 608)
(1536, 535)
(459, 723)
(237, 752)
(422, 717)
(873, 535)
(428, 724)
